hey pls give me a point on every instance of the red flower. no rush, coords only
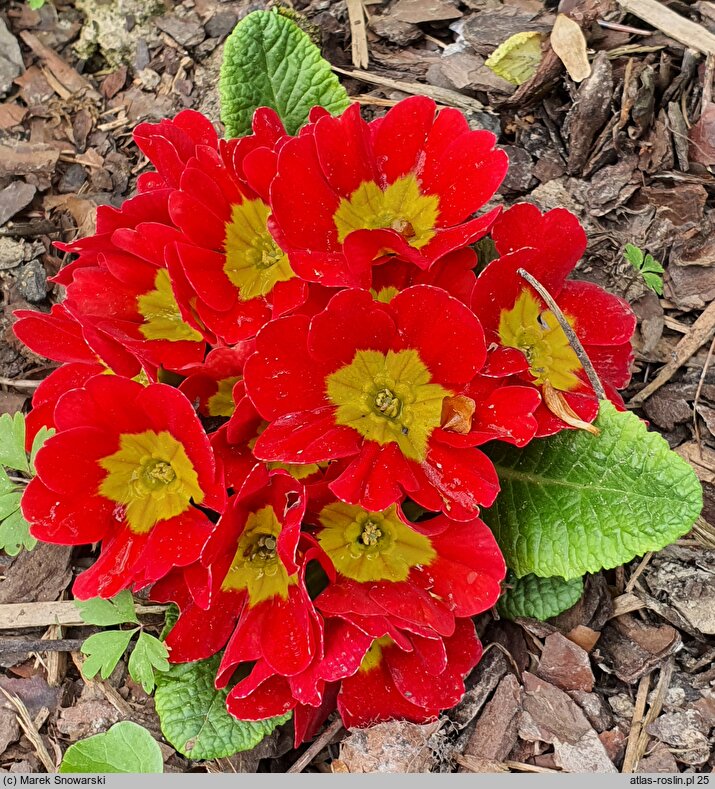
(126, 467)
(367, 381)
(120, 285)
(250, 595)
(238, 274)
(412, 683)
(210, 385)
(310, 694)
(349, 192)
(417, 576)
(532, 347)
(85, 350)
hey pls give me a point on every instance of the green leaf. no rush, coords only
(654, 282)
(517, 58)
(540, 598)
(125, 748)
(149, 655)
(9, 503)
(104, 651)
(268, 61)
(15, 530)
(116, 611)
(12, 442)
(575, 503)
(193, 713)
(634, 255)
(35, 5)
(171, 617)
(40, 437)
(6, 484)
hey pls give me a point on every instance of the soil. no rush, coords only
(623, 681)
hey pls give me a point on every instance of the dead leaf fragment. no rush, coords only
(569, 43)
(516, 59)
(457, 414)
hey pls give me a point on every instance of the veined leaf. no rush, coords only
(540, 598)
(268, 61)
(575, 503)
(193, 713)
(125, 748)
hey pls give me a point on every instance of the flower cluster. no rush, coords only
(277, 367)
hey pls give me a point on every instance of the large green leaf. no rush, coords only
(575, 503)
(540, 598)
(268, 61)
(125, 748)
(193, 713)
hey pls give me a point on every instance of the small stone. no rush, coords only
(565, 664)
(11, 253)
(614, 741)
(72, 179)
(394, 30)
(13, 198)
(220, 24)
(186, 31)
(11, 64)
(32, 282)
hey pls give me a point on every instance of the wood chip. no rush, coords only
(495, 734)
(358, 34)
(68, 77)
(565, 664)
(690, 34)
(569, 43)
(700, 332)
(15, 616)
(23, 158)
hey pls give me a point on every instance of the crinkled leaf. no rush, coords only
(125, 748)
(12, 442)
(193, 713)
(116, 611)
(268, 61)
(14, 529)
(149, 655)
(540, 598)
(575, 503)
(40, 437)
(104, 651)
(171, 617)
(517, 58)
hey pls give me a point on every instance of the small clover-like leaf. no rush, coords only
(576, 503)
(517, 58)
(40, 437)
(149, 655)
(268, 61)
(633, 255)
(539, 598)
(118, 610)
(651, 269)
(14, 529)
(193, 713)
(125, 748)
(104, 651)
(12, 443)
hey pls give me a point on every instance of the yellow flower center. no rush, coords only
(151, 476)
(222, 403)
(384, 295)
(373, 656)
(254, 262)
(400, 206)
(256, 565)
(162, 317)
(539, 337)
(371, 546)
(388, 398)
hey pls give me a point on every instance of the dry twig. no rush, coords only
(689, 33)
(30, 730)
(317, 746)
(358, 34)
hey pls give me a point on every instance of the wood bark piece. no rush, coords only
(701, 331)
(688, 33)
(358, 33)
(15, 616)
(495, 734)
(61, 71)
